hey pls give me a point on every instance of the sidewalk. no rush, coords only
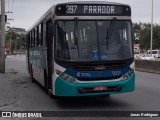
(13, 85)
(7, 96)
(9, 84)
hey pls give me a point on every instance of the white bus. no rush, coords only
(83, 49)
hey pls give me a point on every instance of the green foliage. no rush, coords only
(143, 35)
(17, 40)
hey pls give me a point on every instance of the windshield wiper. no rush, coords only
(110, 30)
(76, 33)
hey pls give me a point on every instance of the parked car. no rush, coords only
(147, 57)
(136, 54)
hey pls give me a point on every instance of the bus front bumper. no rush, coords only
(65, 88)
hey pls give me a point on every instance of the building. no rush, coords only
(137, 47)
(20, 31)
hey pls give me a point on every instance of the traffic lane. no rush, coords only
(147, 91)
(148, 80)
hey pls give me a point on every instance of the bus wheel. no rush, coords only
(50, 94)
(47, 87)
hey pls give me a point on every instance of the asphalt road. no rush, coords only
(32, 97)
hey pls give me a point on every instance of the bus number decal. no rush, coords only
(80, 74)
(71, 8)
(115, 73)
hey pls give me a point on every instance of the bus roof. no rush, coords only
(92, 2)
(52, 9)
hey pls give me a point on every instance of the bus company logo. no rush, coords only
(115, 73)
(6, 114)
(99, 74)
(80, 74)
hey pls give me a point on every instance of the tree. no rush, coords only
(17, 40)
(136, 29)
(143, 32)
(145, 38)
(156, 37)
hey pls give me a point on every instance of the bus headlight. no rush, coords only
(128, 74)
(65, 76)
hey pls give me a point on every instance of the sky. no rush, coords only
(27, 12)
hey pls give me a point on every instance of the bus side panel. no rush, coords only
(38, 63)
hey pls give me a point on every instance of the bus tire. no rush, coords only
(32, 79)
(46, 86)
(50, 94)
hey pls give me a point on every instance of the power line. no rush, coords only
(8, 5)
(12, 8)
(9, 10)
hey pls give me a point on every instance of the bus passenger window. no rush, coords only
(35, 39)
(42, 35)
(38, 36)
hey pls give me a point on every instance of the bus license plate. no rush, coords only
(100, 88)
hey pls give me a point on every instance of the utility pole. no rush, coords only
(10, 52)
(2, 40)
(151, 29)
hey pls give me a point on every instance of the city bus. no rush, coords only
(83, 49)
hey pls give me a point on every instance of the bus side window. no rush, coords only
(29, 42)
(35, 39)
(42, 35)
(32, 38)
(37, 35)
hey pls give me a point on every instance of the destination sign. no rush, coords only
(89, 10)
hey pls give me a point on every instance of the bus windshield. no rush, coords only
(86, 41)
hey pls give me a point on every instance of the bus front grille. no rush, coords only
(99, 78)
(107, 66)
